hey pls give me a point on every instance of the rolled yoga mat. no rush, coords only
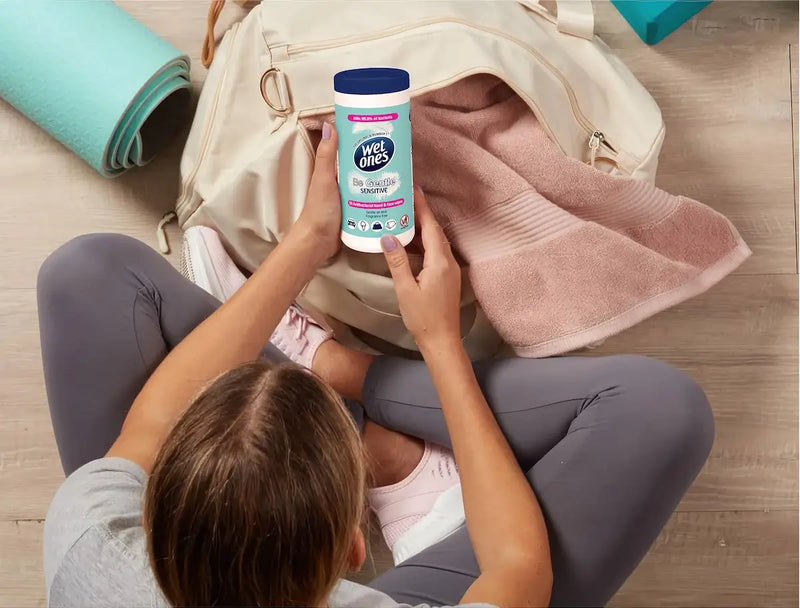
(94, 78)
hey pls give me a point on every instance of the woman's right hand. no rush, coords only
(512, 551)
(430, 302)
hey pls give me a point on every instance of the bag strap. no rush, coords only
(574, 17)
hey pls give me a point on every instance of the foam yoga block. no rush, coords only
(653, 20)
(94, 78)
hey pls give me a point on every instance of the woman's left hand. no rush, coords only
(321, 219)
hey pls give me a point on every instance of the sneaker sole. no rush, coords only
(446, 516)
(203, 268)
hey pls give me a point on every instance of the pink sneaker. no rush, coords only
(205, 263)
(424, 508)
(298, 336)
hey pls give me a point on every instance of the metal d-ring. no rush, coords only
(263, 87)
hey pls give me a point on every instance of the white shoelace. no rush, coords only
(298, 318)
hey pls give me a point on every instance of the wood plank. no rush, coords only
(720, 81)
(746, 559)
(728, 142)
(184, 24)
(741, 316)
(50, 196)
(30, 470)
(794, 69)
(21, 569)
(739, 341)
(719, 24)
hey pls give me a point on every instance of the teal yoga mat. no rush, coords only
(94, 78)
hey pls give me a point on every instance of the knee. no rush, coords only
(671, 409)
(84, 261)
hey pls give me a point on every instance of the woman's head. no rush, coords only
(257, 494)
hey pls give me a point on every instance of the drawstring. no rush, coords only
(208, 43)
(161, 234)
(302, 325)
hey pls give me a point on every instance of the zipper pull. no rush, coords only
(594, 143)
(161, 234)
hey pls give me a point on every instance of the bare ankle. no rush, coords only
(321, 363)
(393, 456)
(343, 368)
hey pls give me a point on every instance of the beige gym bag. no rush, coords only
(248, 159)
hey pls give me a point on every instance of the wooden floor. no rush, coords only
(727, 85)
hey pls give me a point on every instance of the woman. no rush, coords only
(253, 474)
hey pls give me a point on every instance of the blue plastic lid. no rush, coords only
(371, 81)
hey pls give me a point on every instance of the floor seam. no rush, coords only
(794, 161)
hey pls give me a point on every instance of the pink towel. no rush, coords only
(560, 255)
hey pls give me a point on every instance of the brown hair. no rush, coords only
(257, 493)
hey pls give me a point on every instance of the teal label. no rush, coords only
(375, 180)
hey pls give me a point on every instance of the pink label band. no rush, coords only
(372, 117)
(376, 205)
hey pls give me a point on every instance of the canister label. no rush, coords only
(375, 178)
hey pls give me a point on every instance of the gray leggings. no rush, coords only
(609, 444)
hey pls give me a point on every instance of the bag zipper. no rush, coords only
(439, 85)
(297, 49)
(188, 182)
(595, 141)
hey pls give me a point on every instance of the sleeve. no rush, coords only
(93, 531)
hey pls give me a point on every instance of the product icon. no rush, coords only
(390, 225)
(351, 223)
(404, 221)
(363, 226)
(377, 226)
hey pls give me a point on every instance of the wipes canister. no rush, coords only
(375, 181)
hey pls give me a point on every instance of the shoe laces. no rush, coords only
(299, 320)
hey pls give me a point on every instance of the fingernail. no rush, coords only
(326, 130)
(419, 189)
(388, 243)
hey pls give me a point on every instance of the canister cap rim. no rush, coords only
(371, 81)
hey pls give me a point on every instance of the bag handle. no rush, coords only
(574, 17)
(209, 43)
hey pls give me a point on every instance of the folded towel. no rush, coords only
(559, 254)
